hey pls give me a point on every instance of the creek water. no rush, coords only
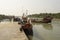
(44, 31)
(41, 31)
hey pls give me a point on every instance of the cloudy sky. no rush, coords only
(17, 7)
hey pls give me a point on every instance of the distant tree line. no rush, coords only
(42, 15)
(5, 17)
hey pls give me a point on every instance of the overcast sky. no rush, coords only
(17, 7)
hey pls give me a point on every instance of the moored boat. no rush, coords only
(47, 19)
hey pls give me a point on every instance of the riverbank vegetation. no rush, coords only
(42, 15)
(5, 17)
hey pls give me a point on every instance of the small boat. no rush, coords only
(47, 19)
(16, 19)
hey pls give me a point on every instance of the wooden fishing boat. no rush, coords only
(46, 19)
(27, 28)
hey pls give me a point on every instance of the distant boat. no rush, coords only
(47, 19)
(16, 19)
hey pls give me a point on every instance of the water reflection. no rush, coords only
(36, 35)
(38, 29)
(48, 26)
(44, 31)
